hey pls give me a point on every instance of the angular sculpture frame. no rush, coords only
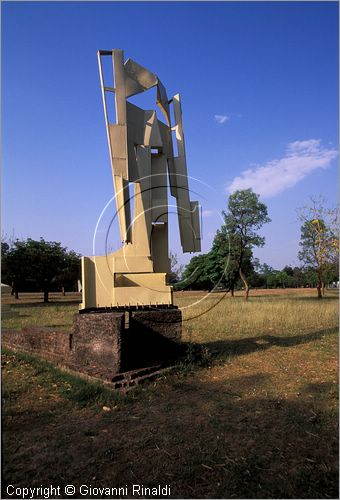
(142, 153)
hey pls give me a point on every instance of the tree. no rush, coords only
(4, 247)
(218, 268)
(291, 280)
(220, 263)
(13, 265)
(310, 277)
(176, 269)
(283, 278)
(319, 240)
(45, 264)
(223, 260)
(245, 216)
(269, 275)
(4, 254)
(70, 272)
(195, 276)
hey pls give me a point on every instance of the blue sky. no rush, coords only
(259, 89)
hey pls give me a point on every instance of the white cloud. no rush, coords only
(207, 213)
(221, 118)
(301, 158)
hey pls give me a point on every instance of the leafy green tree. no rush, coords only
(268, 274)
(310, 277)
(13, 266)
(255, 278)
(195, 276)
(4, 247)
(223, 260)
(245, 216)
(70, 271)
(290, 280)
(299, 276)
(283, 278)
(4, 253)
(47, 264)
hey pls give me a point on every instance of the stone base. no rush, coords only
(96, 340)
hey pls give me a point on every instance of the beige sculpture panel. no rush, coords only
(141, 152)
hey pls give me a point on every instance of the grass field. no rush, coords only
(257, 419)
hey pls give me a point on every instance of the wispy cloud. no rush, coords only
(207, 213)
(221, 118)
(300, 159)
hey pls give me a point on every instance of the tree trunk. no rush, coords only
(45, 295)
(14, 290)
(319, 289)
(246, 286)
(323, 289)
(232, 291)
(63, 291)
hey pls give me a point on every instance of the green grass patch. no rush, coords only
(78, 390)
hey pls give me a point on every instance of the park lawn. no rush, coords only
(257, 419)
(31, 310)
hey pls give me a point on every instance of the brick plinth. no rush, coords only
(100, 345)
(96, 340)
(53, 345)
(164, 322)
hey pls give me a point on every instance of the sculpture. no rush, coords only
(141, 152)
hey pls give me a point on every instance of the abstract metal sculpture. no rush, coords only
(142, 153)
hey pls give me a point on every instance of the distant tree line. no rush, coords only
(198, 276)
(31, 265)
(230, 264)
(39, 266)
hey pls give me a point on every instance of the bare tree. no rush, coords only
(319, 240)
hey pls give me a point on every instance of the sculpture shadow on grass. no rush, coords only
(145, 348)
(221, 348)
